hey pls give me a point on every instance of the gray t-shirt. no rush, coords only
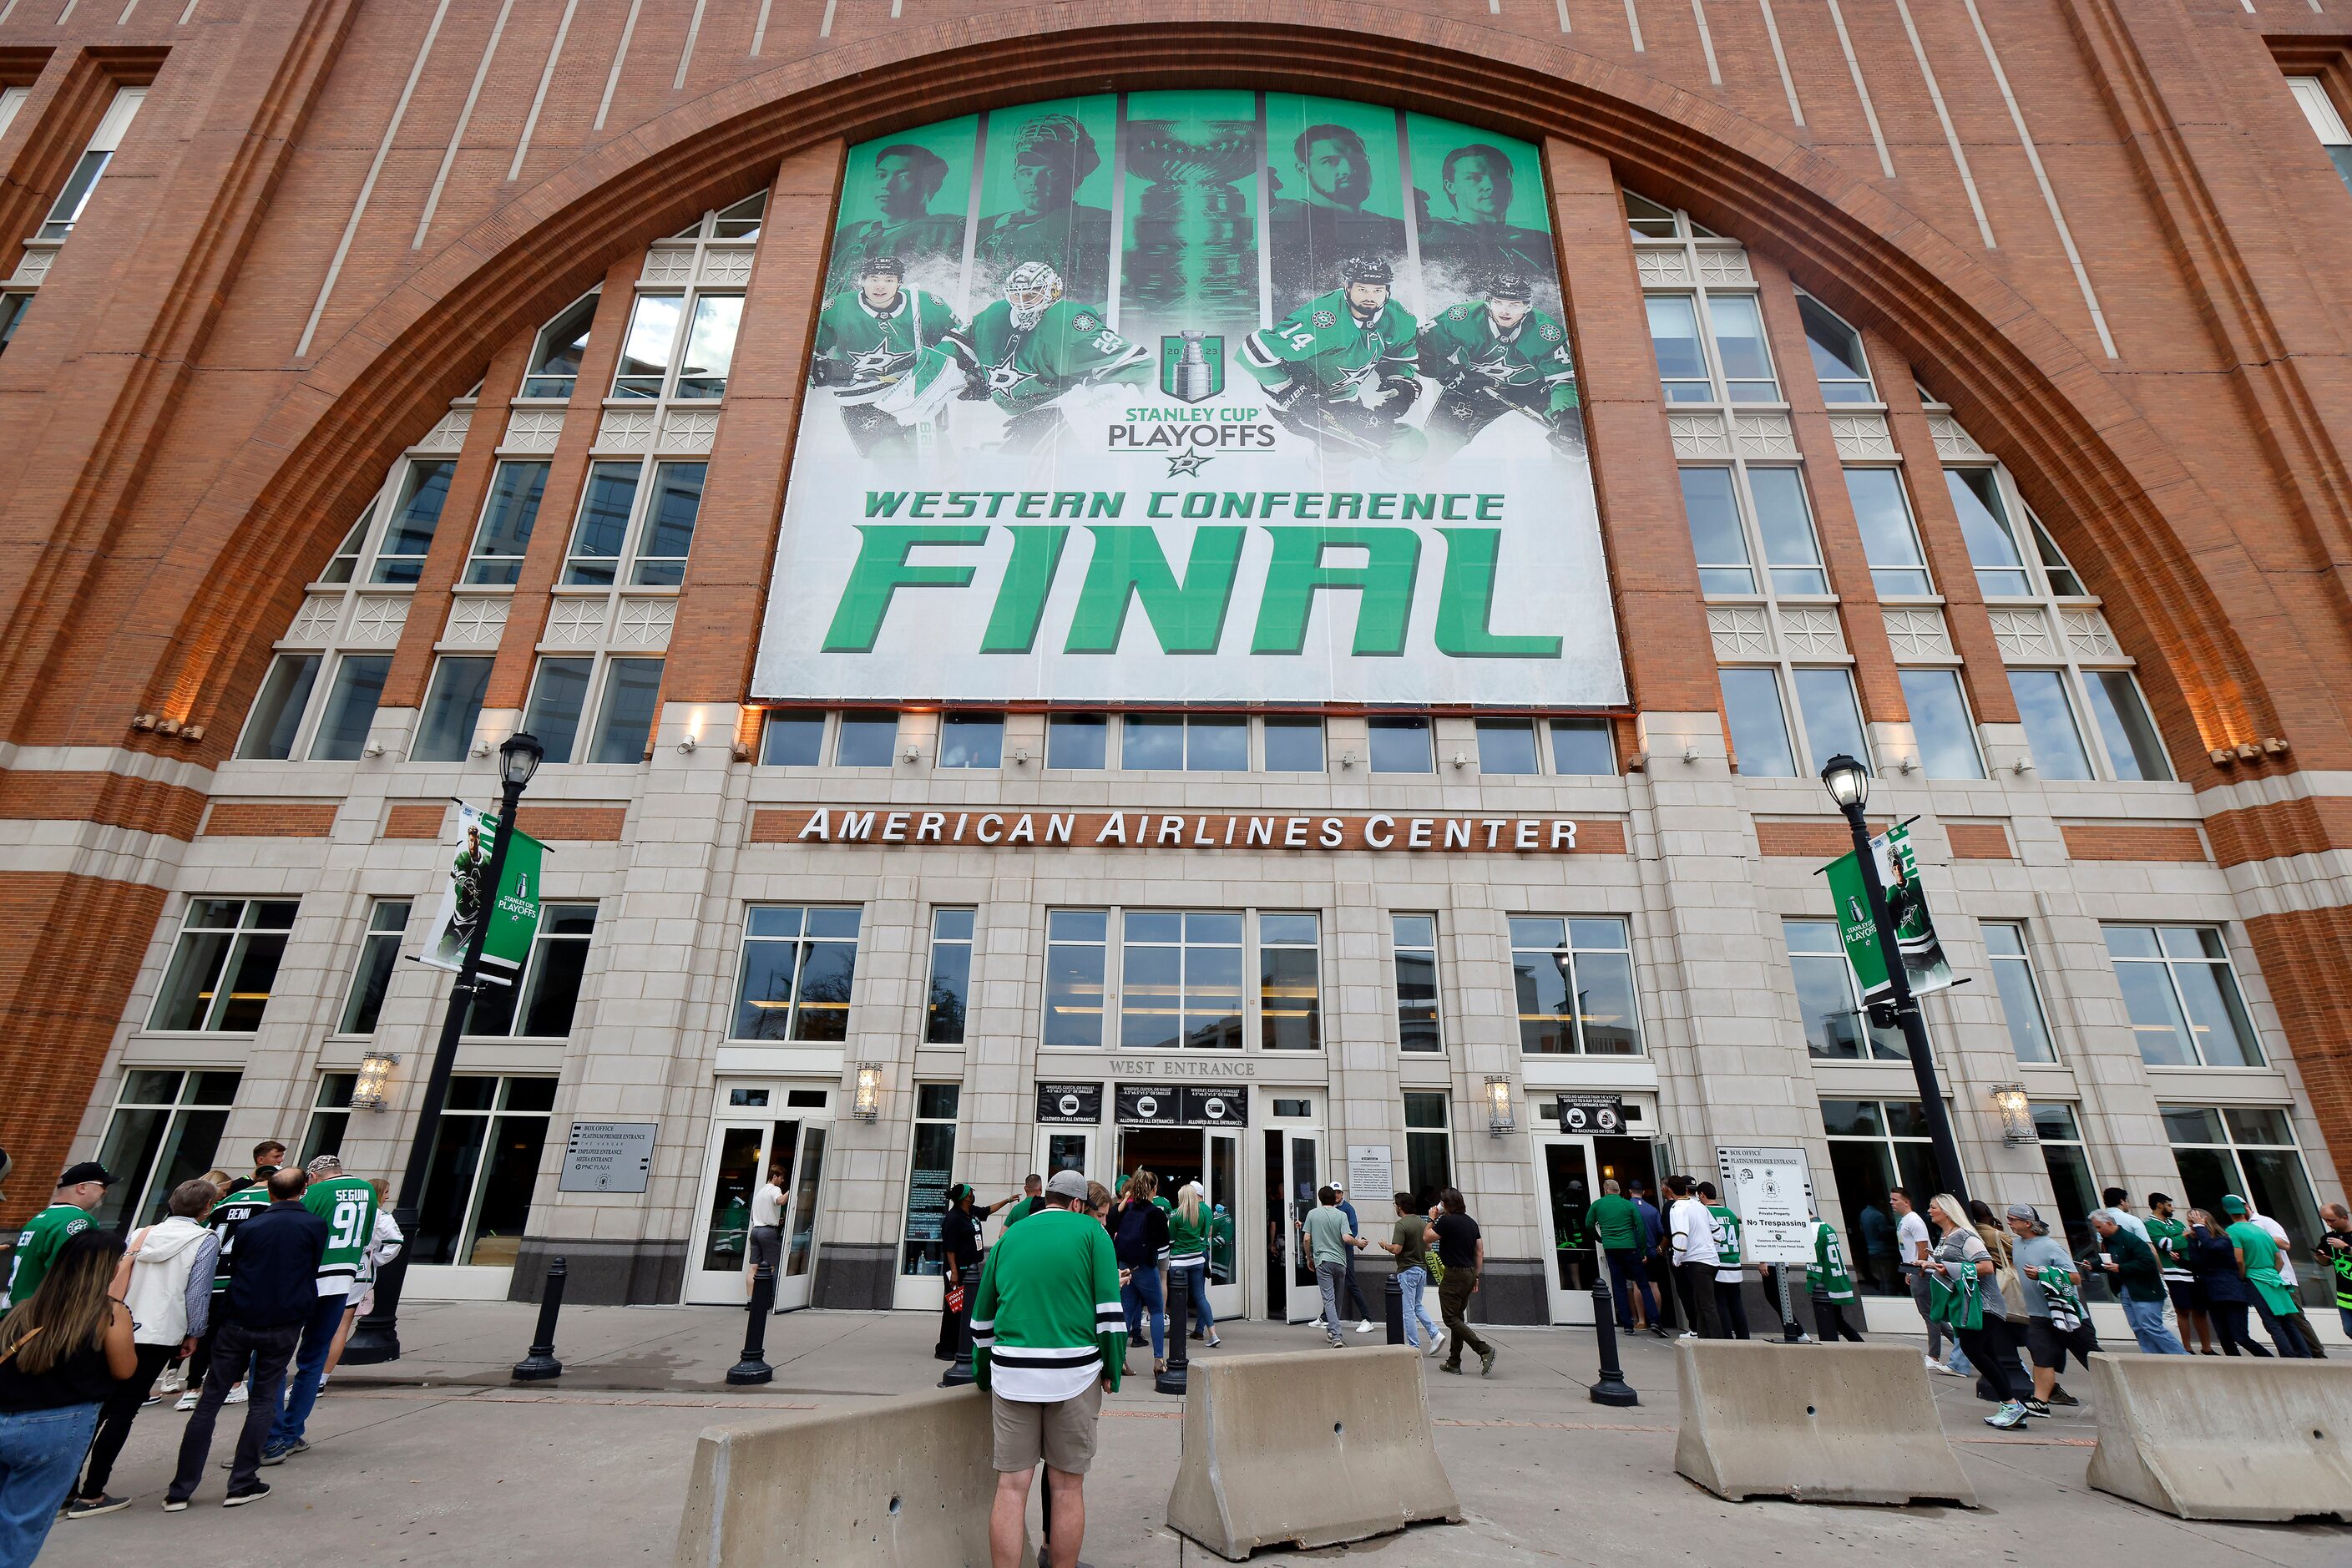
(2038, 1252)
(1327, 1232)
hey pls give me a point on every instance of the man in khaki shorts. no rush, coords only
(1048, 1339)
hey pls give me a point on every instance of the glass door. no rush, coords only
(741, 1153)
(1573, 1261)
(1300, 1167)
(1222, 1185)
(804, 1180)
(720, 1271)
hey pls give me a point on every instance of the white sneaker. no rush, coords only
(1364, 1328)
(1436, 1341)
(1686, 1334)
(187, 1402)
(323, 1377)
(238, 1394)
(1935, 1365)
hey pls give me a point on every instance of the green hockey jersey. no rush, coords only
(2168, 1236)
(1341, 358)
(1070, 345)
(37, 1246)
(1462, 351)
(1826, 1274)
(865, 354)
(1727, 1242)
(347, 1205)
(227, 1215)
(1047, 1320)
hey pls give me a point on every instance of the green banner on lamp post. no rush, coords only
(1924, 963)
(514, 914)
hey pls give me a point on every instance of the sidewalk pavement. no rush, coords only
(438, 1458)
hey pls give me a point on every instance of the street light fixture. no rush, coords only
(1848, 782)
(376, 1337)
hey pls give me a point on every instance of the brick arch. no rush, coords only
(2021, 385)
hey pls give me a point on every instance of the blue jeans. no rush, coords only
(40, 1453)
(2146, 1320)
(1142, 1291)
(1192, 1279)
(309, 1365)
(1411, 1283)
(1625, 1263)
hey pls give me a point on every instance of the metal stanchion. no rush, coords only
(1612, 1388)
(1790, 1333)
(1392, 1310)
(754, 1368)
(959, 1371)
(540, 1365)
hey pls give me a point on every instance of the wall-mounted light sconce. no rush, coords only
(742, 752)
(375, 1072)
(2016, 1114)
(1020, 757)
(1461, 759)
(865, 1100)
(1346, 759)
(912, 755)
(1501, 1117)
(375, 748)
(689, 746)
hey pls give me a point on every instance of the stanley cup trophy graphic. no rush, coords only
(1193, 261)
(1195, 379)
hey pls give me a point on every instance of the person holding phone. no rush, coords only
(2138, 1278)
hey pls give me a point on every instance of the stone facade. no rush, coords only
(2103, 236)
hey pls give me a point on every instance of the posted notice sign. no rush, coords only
(1771, 1191)
(607, 1157)
(1371, 1173)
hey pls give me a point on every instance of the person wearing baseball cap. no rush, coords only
(80, 1190)
(1048, 1335)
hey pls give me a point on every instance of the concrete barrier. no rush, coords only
(1821, 1423)
(2224, 1438)
(905, 1483)
(1314, 1448)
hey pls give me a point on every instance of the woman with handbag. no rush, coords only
(166, 1278)
(62, 1351)
(2006, 1316)
(1958, 1270)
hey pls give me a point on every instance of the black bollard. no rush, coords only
(1392, 1310)
(754, 1368)
(1179, 1364)
(959, 1371)
(540, 1365)
(1612, 1388)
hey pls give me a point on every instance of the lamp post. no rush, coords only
(376, 1337)
(1848, 782)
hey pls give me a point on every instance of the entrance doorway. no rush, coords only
(741, 1154)
(1293, 1161)
(1571, 1168)
(1213, 1158)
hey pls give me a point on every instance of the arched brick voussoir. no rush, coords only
(2019, 384)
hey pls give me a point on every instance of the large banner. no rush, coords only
(1192, 396)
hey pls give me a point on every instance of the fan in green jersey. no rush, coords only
(1028, 349)
(1496, 356)
(880, 347)
(1340, 370)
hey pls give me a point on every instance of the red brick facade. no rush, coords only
(300, 255)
